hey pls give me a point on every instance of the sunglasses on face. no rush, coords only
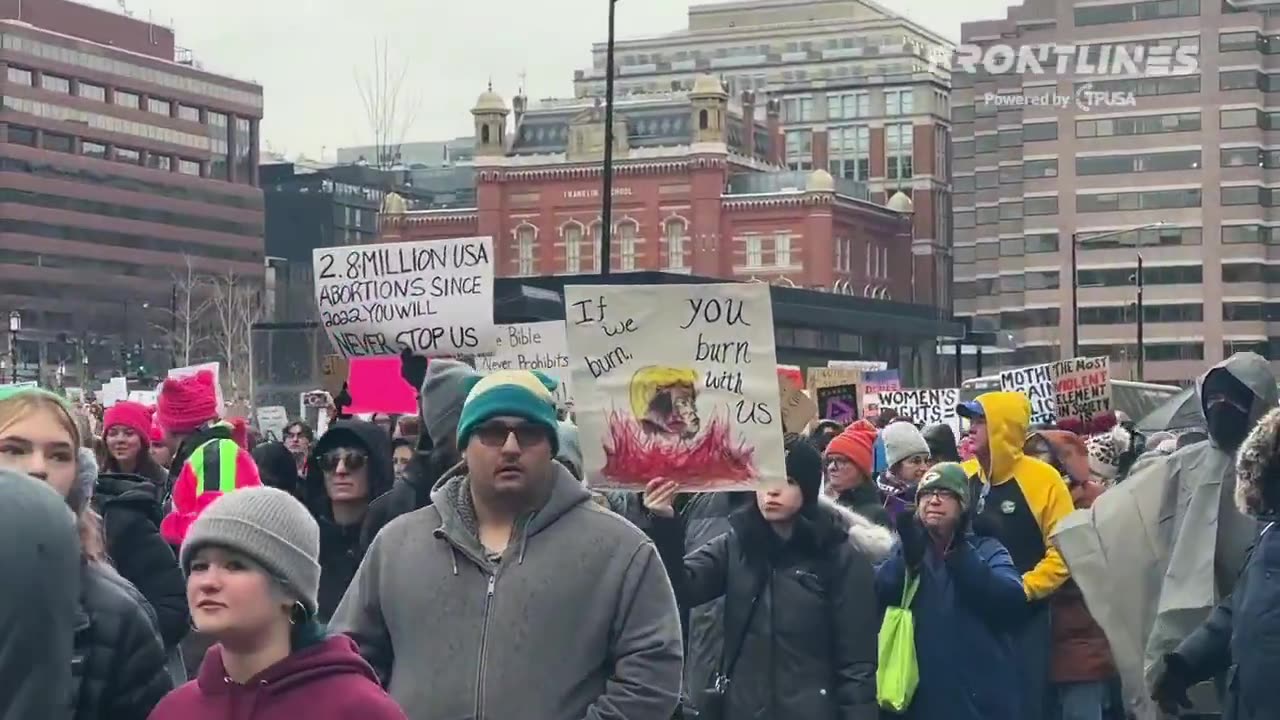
(496, 434)
(355, 459)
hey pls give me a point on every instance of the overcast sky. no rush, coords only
(306, 53)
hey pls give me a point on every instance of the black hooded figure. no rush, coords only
(278, 468)
(941, 439)
(360, 445)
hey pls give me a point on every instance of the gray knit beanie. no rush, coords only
(268, 526)
(901, 441)
(444, 390)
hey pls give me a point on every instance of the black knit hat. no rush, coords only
(804, 466)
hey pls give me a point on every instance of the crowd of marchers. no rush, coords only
(455, 565)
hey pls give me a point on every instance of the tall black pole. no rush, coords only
(1075, 297)
(173, 327)
(606, 213)
(1141, 353)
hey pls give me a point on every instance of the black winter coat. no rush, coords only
(410, 494)
(809, 650)
(119, 670)
(1242, 637)
(130, 510)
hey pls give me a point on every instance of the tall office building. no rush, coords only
(858, 95)
(120, 162)
(1192, 148)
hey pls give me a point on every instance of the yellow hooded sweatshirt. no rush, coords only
(1026, 497)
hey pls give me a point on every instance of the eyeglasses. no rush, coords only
(496, 434)
(353, 459)
(838, 462)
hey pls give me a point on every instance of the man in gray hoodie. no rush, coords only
(40, 560)
(514, 595)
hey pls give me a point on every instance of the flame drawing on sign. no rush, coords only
(634, 456)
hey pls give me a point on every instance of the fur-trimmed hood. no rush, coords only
(1258, 466)
(868, 538)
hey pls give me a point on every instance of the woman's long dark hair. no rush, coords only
(147, 468)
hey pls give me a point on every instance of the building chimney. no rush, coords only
(749, 123)
(775, 151)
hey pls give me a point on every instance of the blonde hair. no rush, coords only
(647, 381)
(93, 540)
(23, 404)
(85, 426)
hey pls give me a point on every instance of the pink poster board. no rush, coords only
(375, 386)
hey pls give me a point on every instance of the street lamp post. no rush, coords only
(1142, 355)
(1075, 285)
(606, 212)
(15, 326)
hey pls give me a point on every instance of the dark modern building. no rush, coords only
(307, 208)
(121, 164)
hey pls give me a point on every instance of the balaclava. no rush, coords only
(1228, 423)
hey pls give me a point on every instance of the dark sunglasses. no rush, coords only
(355, 459)
(496, 434)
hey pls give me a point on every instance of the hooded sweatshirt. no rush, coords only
(577, 620)
(1157, 552)
(1022, 496)
(40, 560)
(327, 681)
(340, 548)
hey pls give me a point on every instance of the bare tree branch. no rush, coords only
(236, 304)
(389, 109)
(185, 331)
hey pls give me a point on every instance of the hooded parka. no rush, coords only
(808, 650)
(340, 547)
(1156, 553)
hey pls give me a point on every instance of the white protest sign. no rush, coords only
(678, 382)
(189, 370)
(540, 346)
(113, 391)
(1036, 382)
(925, 406)
(272, 420)
(859, 365)
(143, 397)
(1083, 387)
(432, 297)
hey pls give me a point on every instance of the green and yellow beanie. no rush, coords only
(947, 476)
(525, 394)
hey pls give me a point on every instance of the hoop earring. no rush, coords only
(297, 613)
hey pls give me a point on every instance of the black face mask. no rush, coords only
(1228, 425)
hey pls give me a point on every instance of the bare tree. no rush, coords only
(236, 304)
(185, 331)
(389, 109)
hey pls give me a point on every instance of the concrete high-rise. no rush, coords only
(1193, 151)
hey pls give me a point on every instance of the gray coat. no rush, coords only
(578, 619)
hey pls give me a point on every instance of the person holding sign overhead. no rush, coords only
(500, 613)
(1020, 500)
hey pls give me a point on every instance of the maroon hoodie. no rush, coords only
(328, 681)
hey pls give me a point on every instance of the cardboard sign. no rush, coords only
(272, 420)
(1082, 387)
(837, 402)
(832, 377)
(1036, 382)
(541, 346)
(678, 382)
(432, 297)
(798, 409)
(333, 374)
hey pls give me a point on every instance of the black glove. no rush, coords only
(914, 538)
(1170, 687)
(413, 368)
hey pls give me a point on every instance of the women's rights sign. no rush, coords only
(433, 297)
(676, 382)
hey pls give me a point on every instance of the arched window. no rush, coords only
(573, 248)
(627, 232)
(703, 120)
(525, 237)
(674, 231)
(484, 135)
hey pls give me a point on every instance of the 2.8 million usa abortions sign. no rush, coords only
(432, 297)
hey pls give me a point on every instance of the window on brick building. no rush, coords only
(851, 152)
(573, 248)
(799, 149)
(675, 244)
(754, 251)
(597, 236)
(782, 249)
(627, 245)
(899, 146)
(525, 236)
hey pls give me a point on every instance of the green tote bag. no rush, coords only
(897, 674)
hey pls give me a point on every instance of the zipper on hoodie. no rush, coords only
(484, 646)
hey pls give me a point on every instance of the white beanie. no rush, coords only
(901, 441)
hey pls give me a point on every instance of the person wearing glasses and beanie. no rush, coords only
(253, 575)
(541, 604)
(350, 467)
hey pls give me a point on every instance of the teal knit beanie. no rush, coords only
(525, 394)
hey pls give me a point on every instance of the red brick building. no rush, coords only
(699, 188)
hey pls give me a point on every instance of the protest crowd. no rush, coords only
(500, 554)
